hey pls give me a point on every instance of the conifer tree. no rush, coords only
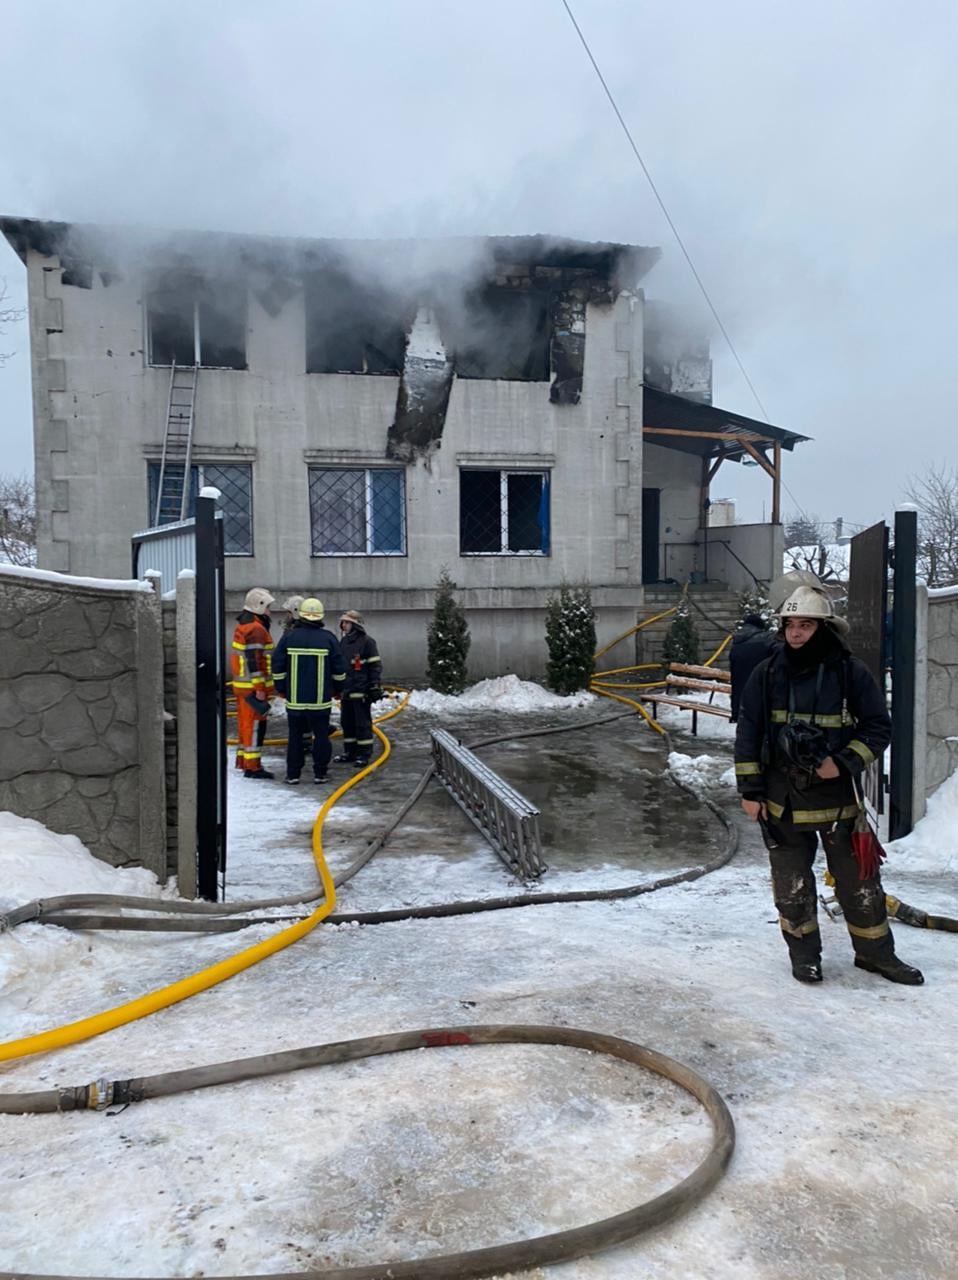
(447, 640)
(681, 640)
(570, 637)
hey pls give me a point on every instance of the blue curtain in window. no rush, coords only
(387, 510)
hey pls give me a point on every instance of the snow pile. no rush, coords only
(37, 863)
(933, 845)
(701, 773)
(504, 693)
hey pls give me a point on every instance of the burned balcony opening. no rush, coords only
(503, 513)
(193, 320)
(352, 327)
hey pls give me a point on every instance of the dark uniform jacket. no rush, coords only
(308, 666)
(846, 703)
(363, 664)
(750, 645)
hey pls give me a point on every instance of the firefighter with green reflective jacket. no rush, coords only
(363, 687)
(812, 718)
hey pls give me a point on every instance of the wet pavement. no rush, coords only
(603, 793)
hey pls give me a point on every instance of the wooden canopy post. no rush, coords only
(777, 484)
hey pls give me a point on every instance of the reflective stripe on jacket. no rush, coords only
(848, 706)
(364, 668)
(308, 666)
(251, 657)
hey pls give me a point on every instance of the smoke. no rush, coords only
(801, 151)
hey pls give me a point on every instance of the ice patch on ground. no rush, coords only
(504, 693)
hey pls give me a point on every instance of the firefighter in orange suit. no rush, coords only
(252, 680)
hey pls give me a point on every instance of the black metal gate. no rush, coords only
(211, 750)
(871, 639)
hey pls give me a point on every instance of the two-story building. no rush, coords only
(509, 408)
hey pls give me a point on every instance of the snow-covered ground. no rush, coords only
(845, 1096)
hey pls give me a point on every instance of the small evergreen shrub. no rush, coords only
(570, 637)
(681, 640)
(754, 600)
(447, 640)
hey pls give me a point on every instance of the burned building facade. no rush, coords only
(366, 424)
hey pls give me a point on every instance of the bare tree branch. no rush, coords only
(8, 315)
(18, 520)
(935, 494)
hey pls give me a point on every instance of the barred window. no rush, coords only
(503, 513)
(235, 483)
(357, 511)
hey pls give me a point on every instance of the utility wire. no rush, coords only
(674, 229)
(668, 217)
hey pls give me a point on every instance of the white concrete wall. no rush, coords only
(758, 546)
(100, 416)
(678, 475)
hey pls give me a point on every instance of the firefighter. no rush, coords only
(811, 719)
(751, 643)
(363, 687)
(308, 669)
(252, 680)
(291, 605)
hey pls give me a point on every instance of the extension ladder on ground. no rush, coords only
(506, 819)
(173, 488)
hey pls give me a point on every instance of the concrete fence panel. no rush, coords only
(81, 711)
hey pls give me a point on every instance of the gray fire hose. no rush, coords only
(559, 1246)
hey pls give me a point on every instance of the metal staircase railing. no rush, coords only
(173, 488)
(506, 819)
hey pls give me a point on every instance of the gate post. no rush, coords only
(900, 817)
(210, 701)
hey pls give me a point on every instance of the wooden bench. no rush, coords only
(683, 675)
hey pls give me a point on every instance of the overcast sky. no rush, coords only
(806, 153)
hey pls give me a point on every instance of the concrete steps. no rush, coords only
(719, 605)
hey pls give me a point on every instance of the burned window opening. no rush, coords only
(192, 320)
(77, 273)
(503, 512)
(502, 333)
(352, 327)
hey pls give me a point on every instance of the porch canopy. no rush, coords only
(717, 436)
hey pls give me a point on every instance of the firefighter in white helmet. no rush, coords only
(812, 717)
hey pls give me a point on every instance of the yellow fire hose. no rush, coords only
(86, 1028)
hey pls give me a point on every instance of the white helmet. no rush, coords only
(291, 604)
(808, 602)
(258, 600)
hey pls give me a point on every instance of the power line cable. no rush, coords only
(673, 228)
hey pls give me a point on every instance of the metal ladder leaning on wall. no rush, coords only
(173, 488)
(506, 819)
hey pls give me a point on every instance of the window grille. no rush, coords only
(235, 483)
(357, 511)
(503, 513)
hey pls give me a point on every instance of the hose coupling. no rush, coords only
(100, 1095)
